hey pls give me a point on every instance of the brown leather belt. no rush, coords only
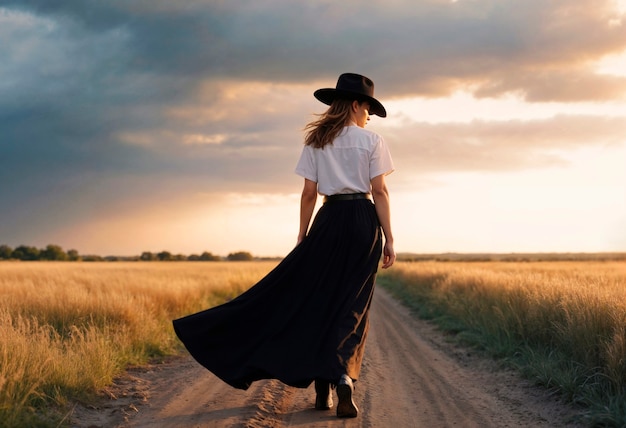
(346, 197)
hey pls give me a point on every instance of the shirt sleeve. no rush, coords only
(307, 166)
(380, 159)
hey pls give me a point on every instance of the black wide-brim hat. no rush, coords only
(352, 86)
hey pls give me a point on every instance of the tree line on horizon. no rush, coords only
(54, 252)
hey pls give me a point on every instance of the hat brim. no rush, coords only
(328, 95)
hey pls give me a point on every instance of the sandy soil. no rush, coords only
(411, 377)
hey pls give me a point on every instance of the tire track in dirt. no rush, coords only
(411, 377)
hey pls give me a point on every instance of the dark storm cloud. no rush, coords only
(430, 46)
(105, 101)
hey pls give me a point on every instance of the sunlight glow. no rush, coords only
(551, 210)
(464, 107)
(614, 65)
(201, 139)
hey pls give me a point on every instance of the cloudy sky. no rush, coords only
(149, 125)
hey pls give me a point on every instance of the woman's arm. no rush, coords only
(383, 210)
(307, 204)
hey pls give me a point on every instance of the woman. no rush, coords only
(307, 320)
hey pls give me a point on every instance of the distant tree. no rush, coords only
(92, 258)
(52, 252)
(73, 255)
(147, 256)
(5, 252)
(193, 258)
(240, 256)
(164, 256)
(25, 252)
(208, 257)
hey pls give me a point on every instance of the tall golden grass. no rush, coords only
(570, 317)
(67, 329)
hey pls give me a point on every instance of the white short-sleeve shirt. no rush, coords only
(348, 164)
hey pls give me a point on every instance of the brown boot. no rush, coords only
(346, 407)
(323, 398)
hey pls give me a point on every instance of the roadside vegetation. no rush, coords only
(68, 329)
(562, 324)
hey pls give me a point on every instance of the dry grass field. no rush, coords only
(561, 323)
(67, 329)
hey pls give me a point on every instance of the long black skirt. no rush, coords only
(308, 318)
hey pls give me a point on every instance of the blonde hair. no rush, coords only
(330, 123)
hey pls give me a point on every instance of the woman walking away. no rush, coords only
(307, 320)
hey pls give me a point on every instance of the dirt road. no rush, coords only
(411, 377)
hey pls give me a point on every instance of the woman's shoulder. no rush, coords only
(367, 133)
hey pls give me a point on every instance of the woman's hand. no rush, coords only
(389, 255)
